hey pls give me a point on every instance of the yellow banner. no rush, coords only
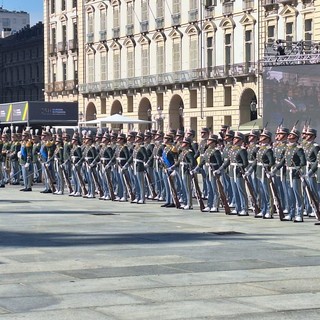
(25, 111)
(9, 113)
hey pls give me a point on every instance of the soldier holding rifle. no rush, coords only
(211, 160)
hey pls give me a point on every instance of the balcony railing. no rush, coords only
(269, 2)
(73, 44)
(240, 70)
(59, 86)
(116, 33)
(129, 30)
(49, 87)
(71, 85)
(90, 38)
(103, 35)
(62, 46)
(52, 48)
(159, 23)
(307, 3)
(247, 5)
(193, 15)
(209, 13)
(144, 26)
(284, 2)
(227, 8)
(176, 19)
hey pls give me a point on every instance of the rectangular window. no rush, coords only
(145, 60)
(227, 96)
(64, 34)
(53, 36)
(289, 35)
(160, 8)
(103, 20)
(74, 3)
(193, 98)
(271, 34)
(210, 51)
(53, 6)
(64, 71)
(116, 17)
(103, 66)
(193, 4)
(176, 52)
(248, 45)
(116, 64)
(130, 62)
(144, 10)
(176, 8)
(308, 29)
(75, 31)
(54, 73)
(130, 13)
(91, 68)
(63, 5)
(209, 97)
(193, 51)
(90, 23)
(227, 47)
(75, 70)
(160, 58)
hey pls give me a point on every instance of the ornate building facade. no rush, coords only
(22, 65)
(189, 63)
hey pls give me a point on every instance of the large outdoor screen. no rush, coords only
(292, 93)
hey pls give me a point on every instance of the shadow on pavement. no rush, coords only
(29, 239)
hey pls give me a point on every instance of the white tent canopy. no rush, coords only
(115, 118)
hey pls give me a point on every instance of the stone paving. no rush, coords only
(73, 258)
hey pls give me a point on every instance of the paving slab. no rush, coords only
(73, 258)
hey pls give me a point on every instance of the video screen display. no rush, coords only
(291, 94)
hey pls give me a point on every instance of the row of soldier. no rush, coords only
(257, 173)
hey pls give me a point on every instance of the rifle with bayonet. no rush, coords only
(51, 181)
(311, 197)
(275, 195)
(223, 196)
(195, 181)
(66, 178)
(106, 172)
(252, 193)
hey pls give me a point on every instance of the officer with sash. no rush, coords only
(169, 157)
(159, 175)
(25, 160)
(36, 146)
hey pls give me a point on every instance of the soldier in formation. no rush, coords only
(257, 174)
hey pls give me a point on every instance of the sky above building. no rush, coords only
(33, 7)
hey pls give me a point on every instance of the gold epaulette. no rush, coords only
(174, 149)
(49, 143)
(29, 144)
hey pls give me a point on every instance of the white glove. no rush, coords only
(19, 154)
(247, 174)
(27, 165)
(215, 172)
